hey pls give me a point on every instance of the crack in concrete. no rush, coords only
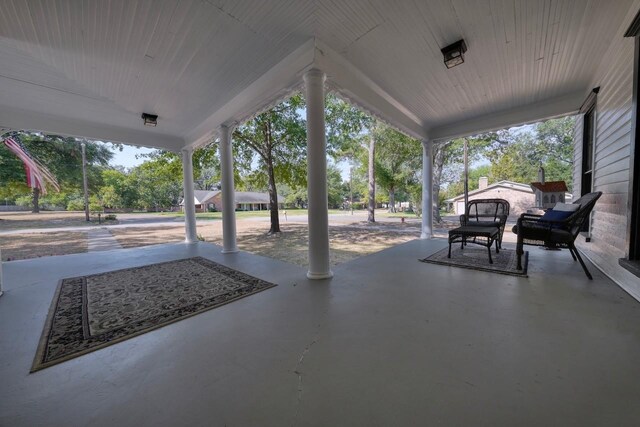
(299, 373)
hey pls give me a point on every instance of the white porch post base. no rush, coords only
(1, 273)
(427, 190)
(319, 266)
(228, 193)
(191, 235)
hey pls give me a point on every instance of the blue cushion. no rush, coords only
(552, 215)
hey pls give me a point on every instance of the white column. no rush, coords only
(0, 269)
(189, 203)
(319, 267)
(427, 190)
(228, 193)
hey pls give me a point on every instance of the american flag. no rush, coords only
(37, 175)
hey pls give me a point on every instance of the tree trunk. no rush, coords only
(438, 165)
(273, 198)
(392, 200)
(36, 200)
(372, 180)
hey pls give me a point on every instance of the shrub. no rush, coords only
(76, 204)
(110, 217)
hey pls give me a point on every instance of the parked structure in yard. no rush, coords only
(548, 193)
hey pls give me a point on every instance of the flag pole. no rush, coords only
(466, 175)
(84, 182)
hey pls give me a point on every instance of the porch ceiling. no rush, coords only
(91, 68)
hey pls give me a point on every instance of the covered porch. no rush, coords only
(387, 340)
(378, 345)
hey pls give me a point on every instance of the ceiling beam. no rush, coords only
(270, 88)
(358, 88)
(27, 120)
(547, 109)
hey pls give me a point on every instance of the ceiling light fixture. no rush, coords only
(454, 53)
(150, 119)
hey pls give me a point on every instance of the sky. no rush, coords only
(127, 157)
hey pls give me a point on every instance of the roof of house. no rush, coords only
(505, 184)
(550, 186)
(205, 196)
(254, 197)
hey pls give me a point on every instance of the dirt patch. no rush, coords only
(35, 245)
(27, 220)
(347, 242)
(134, 237)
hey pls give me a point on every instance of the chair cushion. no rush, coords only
(554, 215)
(566, 207)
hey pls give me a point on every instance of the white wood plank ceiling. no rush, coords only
(91, 68)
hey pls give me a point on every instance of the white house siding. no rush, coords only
(611, 163)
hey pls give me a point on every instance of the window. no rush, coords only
(588, 142)
(586, 183)
(632, 261)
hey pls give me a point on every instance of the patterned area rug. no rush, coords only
(476, 258)
(92, 312)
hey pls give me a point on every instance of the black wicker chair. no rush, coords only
(487, 213)
(555, 234)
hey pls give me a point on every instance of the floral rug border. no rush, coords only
(74, 290)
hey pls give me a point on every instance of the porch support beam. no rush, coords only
(229, 245)
(565, 105)
(427, 189)
(319, 267)
(191, 235)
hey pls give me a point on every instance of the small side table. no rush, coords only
(470, 233)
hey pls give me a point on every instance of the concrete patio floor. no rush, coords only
(388, 341)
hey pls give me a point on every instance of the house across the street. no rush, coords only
(520, 196)
(244, 200)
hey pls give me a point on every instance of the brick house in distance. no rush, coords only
(520, 196)
(245, 200)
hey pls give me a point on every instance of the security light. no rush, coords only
(454, 53)
(150, 119)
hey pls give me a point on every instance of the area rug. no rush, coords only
(476, 258)
(92, 312)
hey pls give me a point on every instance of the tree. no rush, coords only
(346, 127)
(447, 162)
(278, 139)
(119, 190)
(371, 217)
(517, 155)
(62, 156)
(336, 189)
(398, 161)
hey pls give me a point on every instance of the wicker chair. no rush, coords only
(555, 234)
(487, 213)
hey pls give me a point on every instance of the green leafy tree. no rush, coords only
(518, 154)
(448, 162)
(61, 156)
(275, 142)
(398, 161)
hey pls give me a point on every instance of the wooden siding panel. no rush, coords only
(611, 167)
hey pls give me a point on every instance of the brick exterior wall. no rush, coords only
(520, 201)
